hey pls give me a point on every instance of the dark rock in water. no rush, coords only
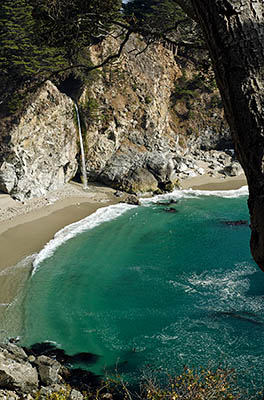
(166, 203)
(87, 358)
(50, 350)
(243, 316)
(170, 210)
(235, 223)
(82, 380)
(14, 339)
(131, 199)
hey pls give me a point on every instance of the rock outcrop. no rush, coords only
(27, 375)
(143, 133)
(147, 125)
(129, 141)
(42, 146)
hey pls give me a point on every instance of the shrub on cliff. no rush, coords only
(203, 384)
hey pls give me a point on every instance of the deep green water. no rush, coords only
(152, 289)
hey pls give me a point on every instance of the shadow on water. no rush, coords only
(82, 379)
(50, 350)
(244, 316)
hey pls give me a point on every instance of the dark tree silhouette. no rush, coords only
(234, 33)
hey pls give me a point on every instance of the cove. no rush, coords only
(150, 289)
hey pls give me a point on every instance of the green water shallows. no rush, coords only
(157, 289)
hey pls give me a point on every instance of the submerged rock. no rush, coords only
(170, 210)
(242, 315)
(235, 223)
(166, 202)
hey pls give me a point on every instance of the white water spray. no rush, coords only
(84, 174)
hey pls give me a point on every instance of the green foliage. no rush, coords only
(60, 395)
(72, 25)
(183, 90)
(216, 101)
(20, 55)
(148, 100)
(162, 20)
(154, 13)
(14, 103)
(38, 38)
(186, 89)
(89, 111)
(91, 108)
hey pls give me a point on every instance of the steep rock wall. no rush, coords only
(129, 141)
(141, 123)
(42, 147)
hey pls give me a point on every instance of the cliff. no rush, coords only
(147, 124)
(41, 146)
(39, 372)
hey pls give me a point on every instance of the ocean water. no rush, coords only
(143, 288)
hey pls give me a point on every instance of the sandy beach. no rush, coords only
(26, 228)
(206, 182)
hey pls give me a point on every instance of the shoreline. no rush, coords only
(206, 182)
(26, 228)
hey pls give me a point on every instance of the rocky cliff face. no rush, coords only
(39, 373)
(42, 146)
(129, 141)
(147, 124)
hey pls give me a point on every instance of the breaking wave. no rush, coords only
(102, 215)
(190, 193)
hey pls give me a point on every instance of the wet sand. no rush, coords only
(24, 234)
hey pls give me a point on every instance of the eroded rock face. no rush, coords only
(137, 138)
(17, 374)
(129, 142)
(24, 376)
(43, 147)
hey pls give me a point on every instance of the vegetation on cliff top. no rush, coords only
(43, 39)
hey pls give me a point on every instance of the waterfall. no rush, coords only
(84, 174)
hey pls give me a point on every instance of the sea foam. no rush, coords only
(111, 212)
(102, 215)
(190, 193)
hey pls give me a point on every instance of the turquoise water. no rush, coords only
(153, 289)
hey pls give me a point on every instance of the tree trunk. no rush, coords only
(234, 31)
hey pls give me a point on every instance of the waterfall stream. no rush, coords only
(84, 174)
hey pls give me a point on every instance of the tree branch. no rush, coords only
(93, 67)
